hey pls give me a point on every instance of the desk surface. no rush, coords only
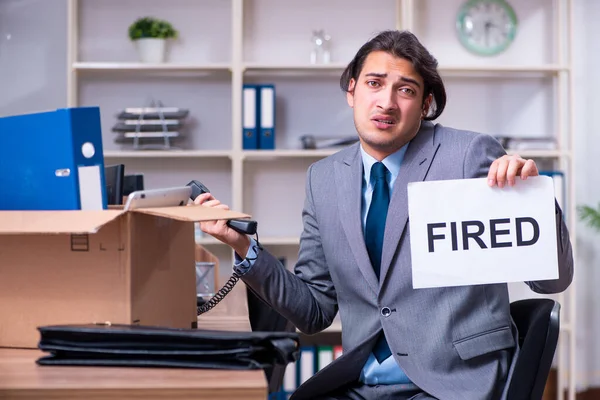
(21, 378)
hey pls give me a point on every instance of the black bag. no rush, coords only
(140, 346)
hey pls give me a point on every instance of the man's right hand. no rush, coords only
(219, 229)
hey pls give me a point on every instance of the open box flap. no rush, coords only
(192, 213)
(55, 222)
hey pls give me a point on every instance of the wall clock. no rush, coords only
(486, 27)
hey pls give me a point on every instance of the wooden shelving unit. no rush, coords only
(225, 43)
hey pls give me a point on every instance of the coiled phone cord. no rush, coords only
(220, 295)
(224, 291)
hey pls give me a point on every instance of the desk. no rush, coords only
(21, 378)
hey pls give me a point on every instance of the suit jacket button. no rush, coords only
(385, 311)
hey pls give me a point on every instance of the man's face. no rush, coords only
(388, 103)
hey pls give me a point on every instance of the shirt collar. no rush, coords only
(391, 162)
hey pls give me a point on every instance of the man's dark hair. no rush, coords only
(402, 44)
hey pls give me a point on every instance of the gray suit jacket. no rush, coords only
(454, 343)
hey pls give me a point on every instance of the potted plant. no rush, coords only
(590, 215)
(150, 36)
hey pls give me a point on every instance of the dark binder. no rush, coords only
(145, 346)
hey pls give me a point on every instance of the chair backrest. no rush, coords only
(538, 323)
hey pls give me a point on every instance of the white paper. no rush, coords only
(445, 262)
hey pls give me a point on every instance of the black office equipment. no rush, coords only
(243, 226)
(149, 346)
(133, 183)
(113, 176)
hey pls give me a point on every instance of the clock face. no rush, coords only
(486, 27)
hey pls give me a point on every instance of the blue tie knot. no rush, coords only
(378, 171)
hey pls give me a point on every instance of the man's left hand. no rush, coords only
(506, 168)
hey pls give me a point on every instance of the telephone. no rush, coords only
(243, 226)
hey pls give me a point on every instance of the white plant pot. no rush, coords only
(151, 50)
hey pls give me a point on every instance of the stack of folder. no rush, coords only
(258, 120)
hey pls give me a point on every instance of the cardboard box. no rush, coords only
(79, 267)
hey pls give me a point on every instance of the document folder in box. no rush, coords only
(52, 160)
(147, 346)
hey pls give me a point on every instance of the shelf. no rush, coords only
(550, 69)
(141, 67)
(293, 69)
(227, 44)
(168, 154)
(309, 69)
(538, 153)
(251, 155)
(270, 154)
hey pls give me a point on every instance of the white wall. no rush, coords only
(36, 55)
(33, 55)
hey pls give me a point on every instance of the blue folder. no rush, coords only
(52, 161)
(250, 117)
(266, 101)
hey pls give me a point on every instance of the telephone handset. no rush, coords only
(243, 226)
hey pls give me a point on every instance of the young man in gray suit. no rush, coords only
(354, 257)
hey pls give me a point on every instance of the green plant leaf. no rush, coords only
(150, 27)
(591, 216)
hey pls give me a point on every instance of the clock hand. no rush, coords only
(488, 25)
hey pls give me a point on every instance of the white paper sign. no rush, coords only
(463, 232)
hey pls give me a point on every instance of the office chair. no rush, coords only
(538, 322)
(264, 318)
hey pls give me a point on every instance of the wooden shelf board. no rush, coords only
(167, 154)
(132, 66)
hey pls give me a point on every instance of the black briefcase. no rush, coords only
(146, 346)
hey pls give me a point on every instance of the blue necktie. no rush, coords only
(374, 230)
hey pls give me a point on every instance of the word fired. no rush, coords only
(476, 232)
(464, 232)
